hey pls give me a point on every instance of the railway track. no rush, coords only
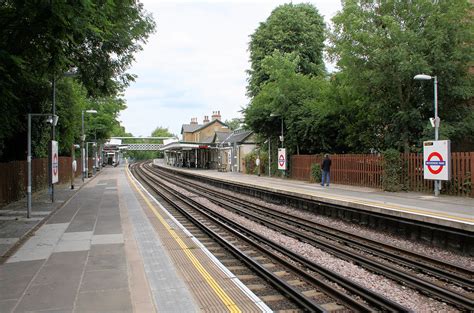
(397, 264)
(308, 286)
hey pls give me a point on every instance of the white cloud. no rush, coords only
(196, 61)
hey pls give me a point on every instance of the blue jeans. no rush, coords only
(325, 177)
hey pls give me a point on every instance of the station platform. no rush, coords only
(449, 211)
(110, 247)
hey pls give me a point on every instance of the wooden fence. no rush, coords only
(14, 177)
(367, 170)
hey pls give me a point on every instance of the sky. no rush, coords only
(196, 61)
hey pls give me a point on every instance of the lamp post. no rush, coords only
(87, 157)
(53, 119)
(97, 146)
(83, 139)
(269, 156)
(53, 128)
(282, 137)
(436, 118)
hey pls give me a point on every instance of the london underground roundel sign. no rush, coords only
(282, 159)
(436, 160)
(54, 162)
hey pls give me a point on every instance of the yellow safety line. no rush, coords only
(209, 279)
(376, 204)
(389, 206)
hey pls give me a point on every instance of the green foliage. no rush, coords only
(162, 132)
(40, 41)
(299, 100)
(316, 172)
(233, 123)
(291, 28)
(392, 170)
(250, 162)
(381, 46)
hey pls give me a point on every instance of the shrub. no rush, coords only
(392, 169)
(316, 172)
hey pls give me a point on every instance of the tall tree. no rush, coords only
(296, 100)
(291, 28)
(381, 45)
(40, 40)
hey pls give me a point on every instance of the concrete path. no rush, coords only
(80, 260)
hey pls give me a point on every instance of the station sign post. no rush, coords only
(437, 161)
(54, 162)
(282, 159)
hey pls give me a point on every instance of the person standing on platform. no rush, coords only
(325, 170)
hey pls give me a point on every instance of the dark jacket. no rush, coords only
(326, 166)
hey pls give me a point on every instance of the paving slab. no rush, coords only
(15, 277)
(104, 301)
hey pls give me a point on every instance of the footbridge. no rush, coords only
(143, 145)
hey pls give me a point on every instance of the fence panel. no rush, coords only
(367, 170)
(14, 177)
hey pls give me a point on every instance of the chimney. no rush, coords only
(206, 119)
(216, 115)
(194, 120)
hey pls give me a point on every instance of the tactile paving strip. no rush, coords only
(205, 292)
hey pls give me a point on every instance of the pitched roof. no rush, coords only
(211, 122)
(209, 139)
(237, 136)
(221, 136)
(191, 128)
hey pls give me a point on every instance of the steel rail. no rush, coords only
(294, 295)
(464, 281)
(388, 271)
(368, 295)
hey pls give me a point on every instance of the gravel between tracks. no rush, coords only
(405, 296)
(382, 237)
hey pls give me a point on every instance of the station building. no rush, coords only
(210, 145)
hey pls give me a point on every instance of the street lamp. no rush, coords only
(53, 119)
(269, 156)
(436, 118)
(72, 73)
(282, 138)
(83, 139)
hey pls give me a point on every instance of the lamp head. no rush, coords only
(91, 111)
(422, 77)
(52, 119)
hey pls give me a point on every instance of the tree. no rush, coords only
(40, 40)
(381, 45)
(234, 123)
(162, 132)
(299, 100)
(291, 28)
